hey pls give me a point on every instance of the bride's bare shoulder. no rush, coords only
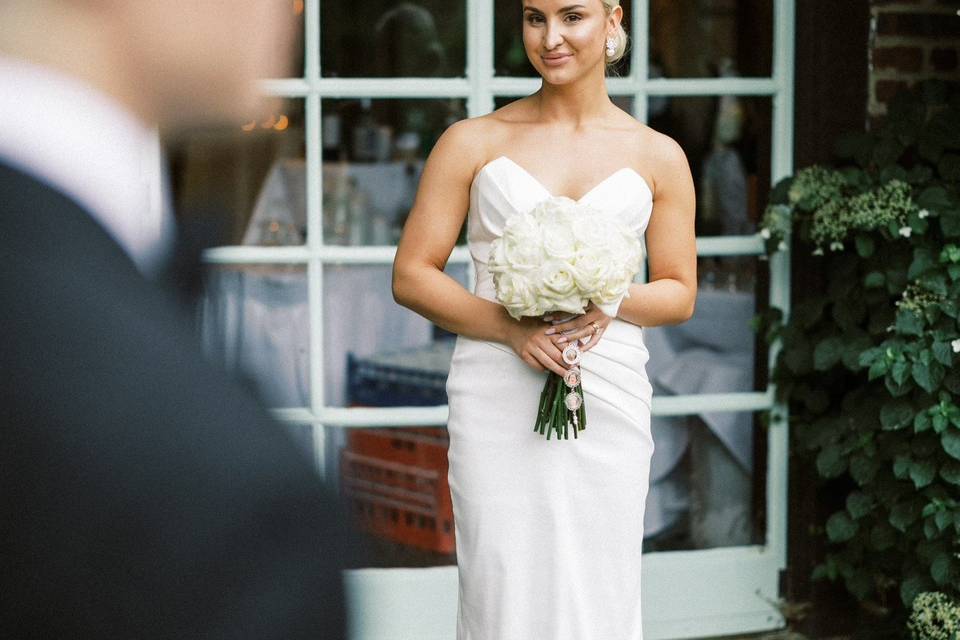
(661, 154)
(474, 139)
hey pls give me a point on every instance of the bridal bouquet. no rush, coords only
(558, 257)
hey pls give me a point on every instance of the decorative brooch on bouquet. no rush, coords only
(557, 258)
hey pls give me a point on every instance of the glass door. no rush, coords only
(301, 294)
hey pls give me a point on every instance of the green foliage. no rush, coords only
(870, 367)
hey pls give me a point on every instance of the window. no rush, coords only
(317, 194)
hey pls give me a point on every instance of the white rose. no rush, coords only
(589, 231)
(559, 242)
(521, 243)
(612, 290)
(592, 267)
(517, 293)
(570, 304)
(557, 277)
(552, 210)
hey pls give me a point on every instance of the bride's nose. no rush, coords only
(552, 36)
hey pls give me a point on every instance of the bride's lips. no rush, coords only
(555, 61)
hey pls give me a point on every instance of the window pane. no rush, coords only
(510, 58)
(385, 38)
(727, 142)
(706, 482)
(254, 319)
(373, 154)
(717, 350)
(377, 352)
(710, 38)
(380, 354)
(249, 178)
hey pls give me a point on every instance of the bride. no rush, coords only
(548, 533)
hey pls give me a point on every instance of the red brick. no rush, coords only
(943, 59)
(918, 24)
(900, 58)
(886, 89)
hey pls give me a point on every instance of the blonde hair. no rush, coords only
(620, 49)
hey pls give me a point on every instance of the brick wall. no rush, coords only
(910, 40)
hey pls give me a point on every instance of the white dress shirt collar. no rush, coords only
(84, 143)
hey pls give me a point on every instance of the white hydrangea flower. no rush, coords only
(836, 245)
(906, 231)
(782, 246)
(923, 213)
(955, 345)
(765, 233)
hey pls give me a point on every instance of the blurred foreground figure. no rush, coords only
(143, 494)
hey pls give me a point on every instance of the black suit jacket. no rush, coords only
(144, 493)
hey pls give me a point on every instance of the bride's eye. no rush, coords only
(533, 18)
(574, 15)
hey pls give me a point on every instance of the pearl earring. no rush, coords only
(611, 47)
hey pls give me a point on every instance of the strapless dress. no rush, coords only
(548, 532)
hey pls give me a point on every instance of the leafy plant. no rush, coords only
(868, 366)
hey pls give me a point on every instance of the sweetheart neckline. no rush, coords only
(579, 200)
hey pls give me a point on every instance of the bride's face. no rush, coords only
(565, 39)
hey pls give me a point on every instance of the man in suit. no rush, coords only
(143, 492)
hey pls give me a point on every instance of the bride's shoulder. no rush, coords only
(470, 141)
(487, 129)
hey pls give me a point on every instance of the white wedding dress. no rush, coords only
(548, 532)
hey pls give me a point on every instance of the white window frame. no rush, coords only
(686, 594)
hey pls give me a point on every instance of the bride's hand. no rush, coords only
(563, 333)
(530, 341)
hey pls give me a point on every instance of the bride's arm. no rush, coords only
(430, 234)
(670, 294)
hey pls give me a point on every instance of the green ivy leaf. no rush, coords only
(897, 390)
(864, 244)
(914, 586)
(942, 519)
(922, 261)
(874, 280)
(922, 473)
(950, 224)
(940, 569)
(943, 352)
(827, 353)
(909, 323)
(882, 537)
(903, 514)
(840, 527)
(921, 422)
(859, 504)
(900, 371)
(831, 462)
(933, 197)
(950, 439)
(901, 466)
(928, 376)
(863, 469)
(877, 370)
(951, 472)
(896, 414)
(859, 583)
